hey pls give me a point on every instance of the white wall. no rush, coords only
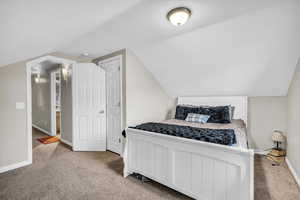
(13, 123)
(146, 100)
(293, 137)
(13, 135)
(265, 114)
(41, 102)
(143, 98)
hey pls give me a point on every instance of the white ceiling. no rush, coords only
(232, 47)
(34, 27)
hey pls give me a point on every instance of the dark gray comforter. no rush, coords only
(218, 136)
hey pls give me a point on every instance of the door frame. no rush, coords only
(53, 103)
(29, 65)
(99, 63)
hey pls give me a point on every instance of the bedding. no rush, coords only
(218, 114)
(237, 125)
(199, 118)
(217, 136)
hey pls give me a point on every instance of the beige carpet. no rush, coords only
(59, 173)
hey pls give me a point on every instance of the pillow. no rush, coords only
(218, 114)
(194, 117)
(232, 108)
(183, 110)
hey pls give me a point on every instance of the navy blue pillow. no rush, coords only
(183, 110)
(218, 114)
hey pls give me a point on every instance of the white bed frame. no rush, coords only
(198, 169)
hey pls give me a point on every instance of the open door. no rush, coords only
(112, 67)
(89, 107)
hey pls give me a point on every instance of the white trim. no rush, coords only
(108, 60)
(15, 166)
(260, 152)
(74, 74)
(29, 112)
(295, 175)
(66, 142)
(41, 129)
(53, 102)
(29, 99)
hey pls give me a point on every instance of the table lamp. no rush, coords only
(278, 138)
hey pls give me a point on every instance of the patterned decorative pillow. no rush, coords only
(194, 117)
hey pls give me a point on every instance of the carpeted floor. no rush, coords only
(59, 173)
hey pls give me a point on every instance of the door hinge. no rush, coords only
(119, 104)
(119, 140)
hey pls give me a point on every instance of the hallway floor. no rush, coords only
(58, 173)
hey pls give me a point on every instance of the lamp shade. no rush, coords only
(278, 136)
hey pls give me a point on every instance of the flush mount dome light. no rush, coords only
(179, 16)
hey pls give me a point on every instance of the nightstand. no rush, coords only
(277, 155)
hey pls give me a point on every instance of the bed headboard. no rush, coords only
(239, 102)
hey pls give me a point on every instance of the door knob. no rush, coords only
(101, 111)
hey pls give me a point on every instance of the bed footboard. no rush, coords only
(198, 169)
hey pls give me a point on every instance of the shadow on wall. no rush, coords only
(251, 142)
(171, 112)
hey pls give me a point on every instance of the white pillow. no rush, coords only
(199, 118)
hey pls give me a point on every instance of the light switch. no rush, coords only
(20, 105)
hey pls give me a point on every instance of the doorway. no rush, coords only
(113, 68)
(43, 97)
(56, 102)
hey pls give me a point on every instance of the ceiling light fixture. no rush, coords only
(179, 16)
(37, 79)
(85, 54)
(66, 71)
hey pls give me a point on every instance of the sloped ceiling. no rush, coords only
(33, 27)
(232, 47)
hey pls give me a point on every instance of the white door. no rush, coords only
(113, 98)
(89, 108)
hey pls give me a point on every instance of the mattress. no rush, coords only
(238, 126)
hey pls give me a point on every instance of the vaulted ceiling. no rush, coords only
(232, 47)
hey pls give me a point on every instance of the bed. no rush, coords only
(201, 170)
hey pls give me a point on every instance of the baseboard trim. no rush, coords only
(66, 142)
(260, 152)
(15, 166)
(41, 129)
(296, 177)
